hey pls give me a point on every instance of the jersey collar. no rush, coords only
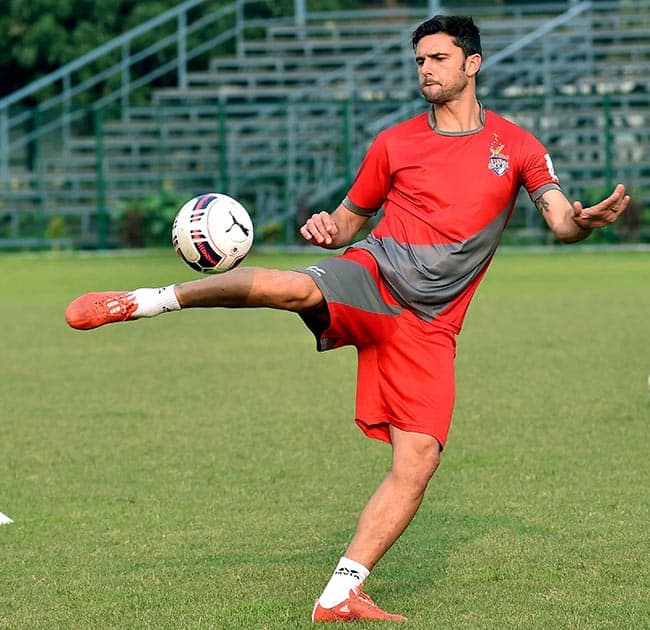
(432, 124)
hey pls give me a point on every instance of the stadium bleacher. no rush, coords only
(283, 120)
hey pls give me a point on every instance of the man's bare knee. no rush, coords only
(420, 471)
(416, 458)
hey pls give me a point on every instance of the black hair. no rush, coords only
(462, 28)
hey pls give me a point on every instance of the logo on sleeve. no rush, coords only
(550, 167)
(498, 162)
(317, 271)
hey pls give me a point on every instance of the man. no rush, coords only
(447, 180)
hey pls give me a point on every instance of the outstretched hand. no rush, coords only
(320, 229)
(602, 213)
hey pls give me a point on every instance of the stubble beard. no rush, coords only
(448, 93)
(441, 97)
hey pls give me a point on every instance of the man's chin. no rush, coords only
(437, 99)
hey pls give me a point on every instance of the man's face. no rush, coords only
(443, 71)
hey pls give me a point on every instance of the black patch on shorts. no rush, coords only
(317, 320)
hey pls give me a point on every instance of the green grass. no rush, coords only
(202, 470)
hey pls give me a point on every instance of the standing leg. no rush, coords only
(386, 515)
(394, 504)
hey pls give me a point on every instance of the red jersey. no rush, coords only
(447, 197)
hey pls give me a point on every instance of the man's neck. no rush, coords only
(456, 116)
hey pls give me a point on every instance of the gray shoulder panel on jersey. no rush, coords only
(426, 278)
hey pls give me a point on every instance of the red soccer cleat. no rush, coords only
(96, 309)
(357, 607)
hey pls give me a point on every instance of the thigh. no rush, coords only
(251, 287)
(357, 309)
(408, 382)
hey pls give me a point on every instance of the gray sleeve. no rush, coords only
(538, 192)
(364, 212)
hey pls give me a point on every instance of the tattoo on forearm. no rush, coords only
(542, 204)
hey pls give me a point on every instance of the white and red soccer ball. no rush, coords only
(212, 233)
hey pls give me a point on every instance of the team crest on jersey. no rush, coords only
(498, 161)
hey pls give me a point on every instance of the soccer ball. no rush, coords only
(212, 233)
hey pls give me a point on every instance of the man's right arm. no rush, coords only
(334, 230)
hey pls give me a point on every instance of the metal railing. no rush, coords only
(262, 144)
(76, 84)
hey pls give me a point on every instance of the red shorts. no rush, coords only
(405, 374)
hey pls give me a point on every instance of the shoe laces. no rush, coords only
(365, 597)
(116, 306)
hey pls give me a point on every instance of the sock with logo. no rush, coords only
(152, 302)
(347, 575)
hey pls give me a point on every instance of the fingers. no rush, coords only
(578, 217)
(621, 200)
(604, 212)
(616, 202)
(319, 229)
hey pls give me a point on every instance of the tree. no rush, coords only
(42, 35)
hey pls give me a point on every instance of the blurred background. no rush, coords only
(113, 113)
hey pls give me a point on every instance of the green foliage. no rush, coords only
(148, 221)
(40, 36)
(55, 229)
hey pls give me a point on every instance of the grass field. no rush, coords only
(202, 470)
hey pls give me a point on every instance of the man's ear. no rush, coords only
(473, 65)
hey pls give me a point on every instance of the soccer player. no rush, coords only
(447, 181)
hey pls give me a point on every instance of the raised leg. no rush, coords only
(244, 287)
(251, 287)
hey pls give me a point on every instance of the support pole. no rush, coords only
(434, 7)
(101, 183)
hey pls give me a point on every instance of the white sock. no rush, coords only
(152, 302)
(347, 575)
